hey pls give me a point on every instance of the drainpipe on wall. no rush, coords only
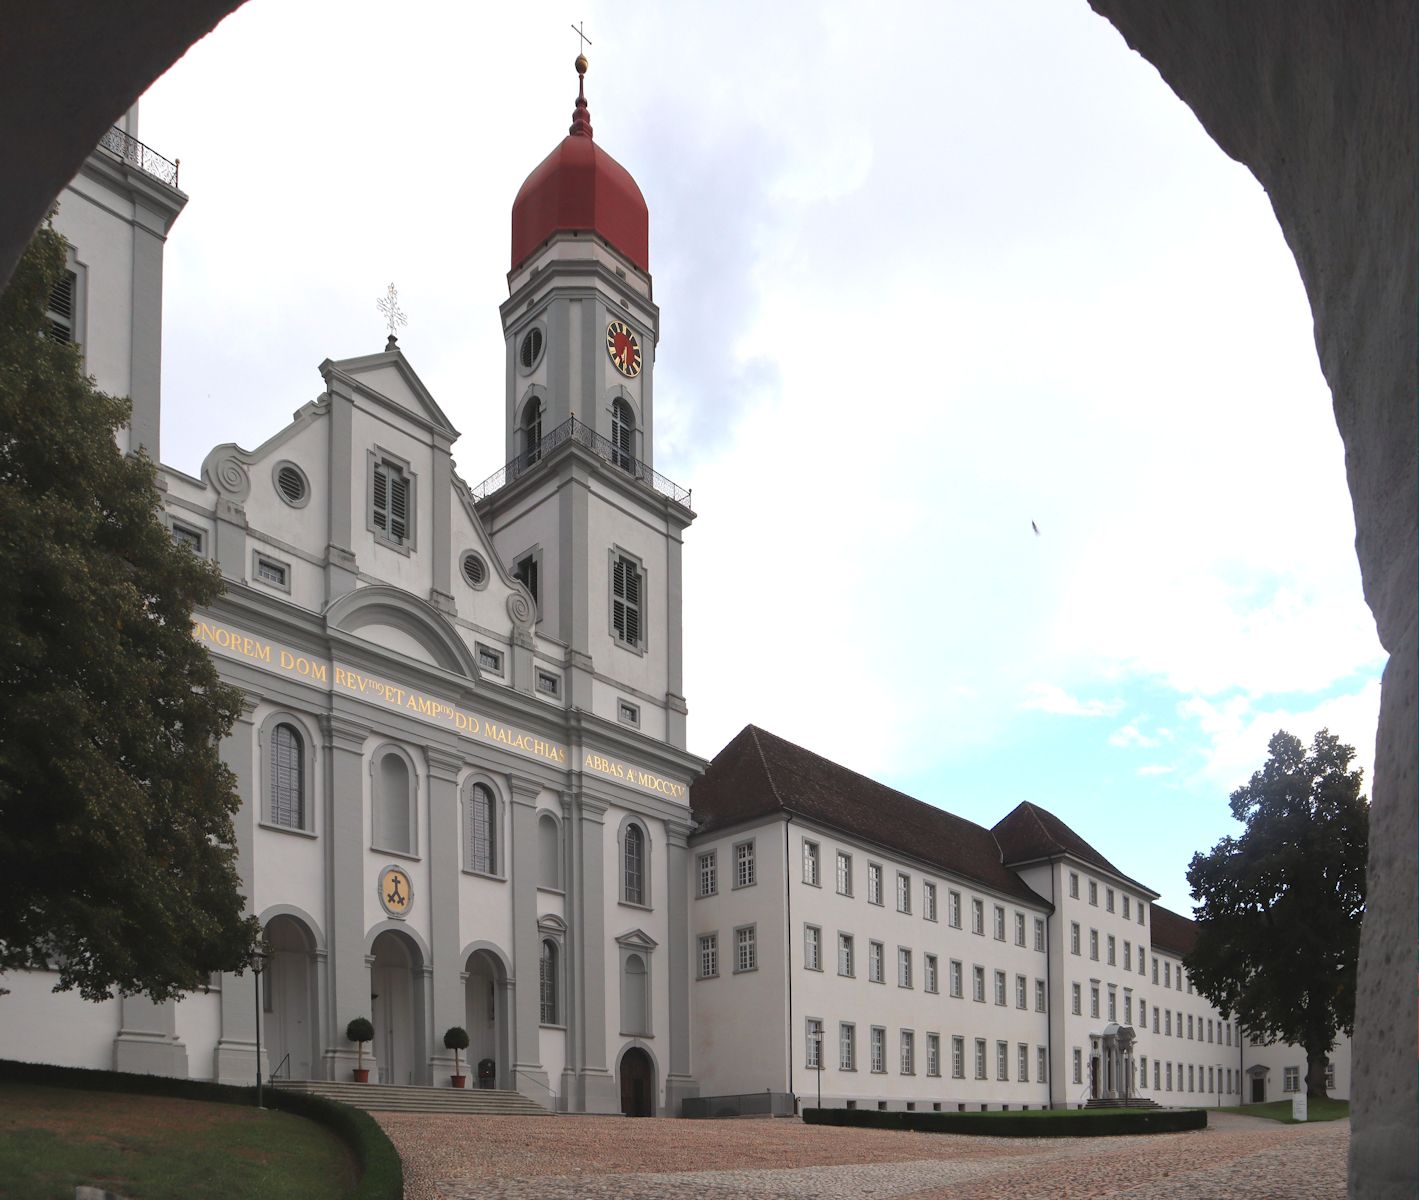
(788, 947)
(1049, 999)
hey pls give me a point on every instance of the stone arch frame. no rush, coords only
(551, 928)
(547, 816)
(639, 822)
(420, 983)
(533, 392)
(309, 730)
(620, 393)
(505, 1010)
(417, 782)
(498, 786)
(317, 957)
(382, 603)
(657, 1084)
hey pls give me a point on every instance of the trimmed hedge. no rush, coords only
(1059, 1123)
(381, 1172)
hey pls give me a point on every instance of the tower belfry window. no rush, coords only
(61, 308)
(391, 502)
(623, 434)
(532, 431)
(626, 591)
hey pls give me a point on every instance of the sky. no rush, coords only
(925, 277)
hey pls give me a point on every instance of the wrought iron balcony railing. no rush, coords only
(145, 158)
(583, 434)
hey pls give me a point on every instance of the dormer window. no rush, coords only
(391, 501)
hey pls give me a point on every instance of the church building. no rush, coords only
(466, 794)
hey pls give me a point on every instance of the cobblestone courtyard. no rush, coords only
(601, 1158)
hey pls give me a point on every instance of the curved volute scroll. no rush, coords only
(228, 469)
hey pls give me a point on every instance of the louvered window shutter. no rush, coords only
(381, 498)
(626, 600)
(398, 507)
(61, 308)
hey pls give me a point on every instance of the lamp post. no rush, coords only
(818, 1039)
(260, 960)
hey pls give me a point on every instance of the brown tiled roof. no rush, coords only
(1030, 833)
(1172, 931)
(759, 774)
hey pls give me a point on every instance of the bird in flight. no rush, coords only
(1036, 528)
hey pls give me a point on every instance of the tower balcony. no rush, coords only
(137, 154)
(604, 448)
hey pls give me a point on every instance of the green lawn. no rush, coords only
(156, 1148)
(1280, 1110)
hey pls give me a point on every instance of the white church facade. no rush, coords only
(466, 794)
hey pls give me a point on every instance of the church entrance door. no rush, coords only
(1094, 1079)
(1258, 1089)
(288, 1000)
(637, 1084)
(393, 1009)
(486, 1004)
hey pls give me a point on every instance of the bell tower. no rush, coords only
(579, 513)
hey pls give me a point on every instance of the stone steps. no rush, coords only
(375, 1097)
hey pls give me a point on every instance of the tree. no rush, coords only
(116, 837)
(1278, 919)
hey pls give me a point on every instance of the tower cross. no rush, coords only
(585, 41)
(393, 314)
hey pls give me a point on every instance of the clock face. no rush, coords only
(623, 348)
(395, 891)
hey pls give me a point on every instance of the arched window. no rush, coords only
(635, 1007)
(548, 980)
(634, 865)
(623, 434)
(394, 805)
(532, 431)
(482, 832)
(287, 802)
(549, 852)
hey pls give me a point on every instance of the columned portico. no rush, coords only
(1111, 1062)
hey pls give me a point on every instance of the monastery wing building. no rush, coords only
(466, 795)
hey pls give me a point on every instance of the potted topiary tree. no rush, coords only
(456, 1039)
(360, 1031)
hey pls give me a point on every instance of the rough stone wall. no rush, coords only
(1319, 99)
(68, 70)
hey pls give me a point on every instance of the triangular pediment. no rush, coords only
(637, 939)
(387, 380)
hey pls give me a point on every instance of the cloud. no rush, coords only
(1052, 699)
(1156, 769)
(1131, 735)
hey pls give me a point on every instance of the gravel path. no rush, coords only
(610, 1158)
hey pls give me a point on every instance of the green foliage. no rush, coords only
(1320, 1109)
(1062, 1122)
(381, 1172)
(456, 1039)
(359, 1030)
(1280, 906)
(116, 839)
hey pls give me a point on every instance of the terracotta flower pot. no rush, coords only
(362, 1074)
(458, 1081)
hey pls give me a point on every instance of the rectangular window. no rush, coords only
(810, 863)
(548, 684)
(978, 984)
(1094, 1000)
(844, 874)
(1022, 994)
(958, 1058)
(185, 535)
(1093, 893)
(1155, 1019)
(908, 1056)
(1142, 965)
(879, 1049)
(1127, 1009)
(1143, 1012)
(1125, 908)
(1074, 885)
(933, 1054)
(627, 713)
(1041, 1065)
(1167, 975)
(904, 893)
(956, 972)
(928, 973)
(1167, 1021)
(1078, 1065)
(1022, 1063)
(489, 660)
(1329, 1071)
(1002, 1060)
(978, 917)
(999, 923)
(746, 949)
(1128, 956)
(874, 963)
(709, 955)
(1039, 995)
(1140, 912)
(1109, 899)
(813, 1043)
(1191, 1077)
(744, 864)
(1075, 999)
(904, 967)
(1019, 929)
(1040, 934)
(1169, 1079)
(626, 587)
(980, 1058)
(390, 508)
(1000, 988)
(1113, 1004)
(526, 573)
(61, 308)
(1112, 947)
(812, 948)
(953, 909)
(1157, 1076)
(1074, 937)
(874, 883)
(272, 571)
(1209, 1029)
(847, 1046)
(709, 873)
(845, 964)
(928, 901)
(1094, 944)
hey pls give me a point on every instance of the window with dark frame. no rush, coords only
(390, 502)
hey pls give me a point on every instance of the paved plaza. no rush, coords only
(610, 1158)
